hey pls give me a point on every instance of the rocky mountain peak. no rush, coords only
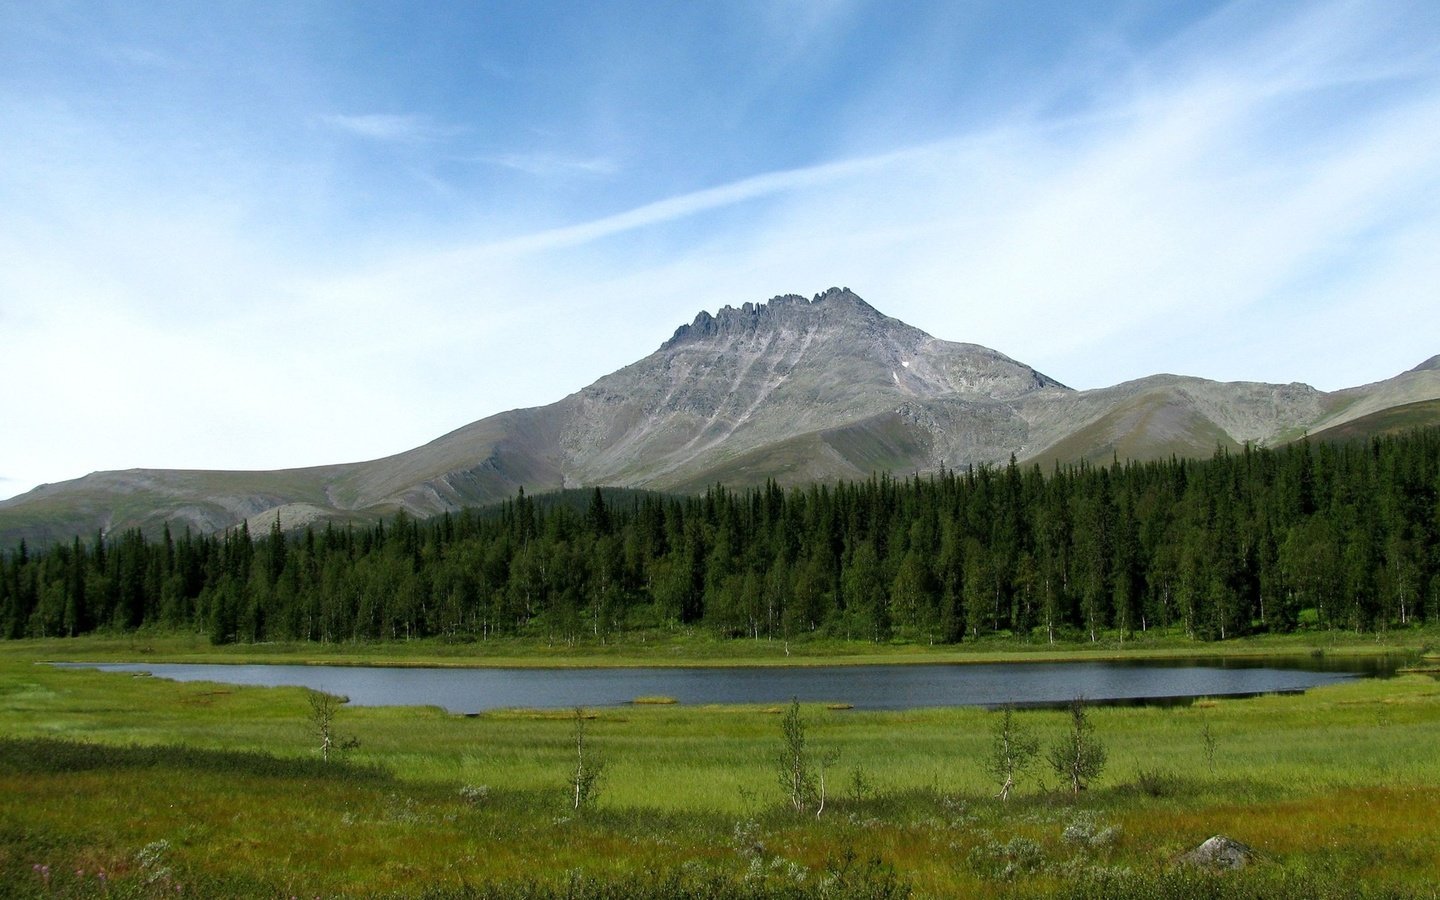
(839, 304)
(843, 296)
(1430, 365)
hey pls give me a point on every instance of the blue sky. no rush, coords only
(248, 235)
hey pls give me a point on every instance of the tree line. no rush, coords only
(1310, 535)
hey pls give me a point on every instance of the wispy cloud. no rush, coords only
(405, 129)
(140, 57)
(548, 164)
(686, 205)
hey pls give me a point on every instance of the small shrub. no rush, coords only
(1088, 833)
(1157, 783)
(849, 876)
(776, 877)
(153, 859)
(1016, 857)
(403, 810)
(475, 795)
(860, 786)
(746, 839)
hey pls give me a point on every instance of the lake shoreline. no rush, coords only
(683, 651)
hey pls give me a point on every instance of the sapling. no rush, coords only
(1207, 737)
(1012, 749)
(796, 771)
(585, 782)
(1079, 757)
(827, 759)
(323, 709)
(860, 786)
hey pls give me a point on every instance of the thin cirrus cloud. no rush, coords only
(390, 128)
(547, 164)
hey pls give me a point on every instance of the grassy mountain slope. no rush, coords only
(1149, 426)
(883, 443)
(147, 498)
(1396, 419)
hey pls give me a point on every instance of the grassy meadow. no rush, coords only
(121, 785)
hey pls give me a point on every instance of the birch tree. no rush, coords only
(1012, 750)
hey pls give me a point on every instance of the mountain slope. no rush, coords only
(796, 390)
(1390, 421)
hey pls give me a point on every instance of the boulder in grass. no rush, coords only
(1219, 853)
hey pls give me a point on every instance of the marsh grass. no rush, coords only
(698, 647)
(49, 756)
(1334, 789)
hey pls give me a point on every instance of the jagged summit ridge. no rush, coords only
(838, 323)
(777, 311)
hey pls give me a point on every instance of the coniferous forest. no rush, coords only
(1313, 535)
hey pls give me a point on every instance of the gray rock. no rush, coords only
(1218, 853)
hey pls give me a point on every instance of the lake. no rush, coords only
(880, 686)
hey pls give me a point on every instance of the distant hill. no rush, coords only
(795, 390)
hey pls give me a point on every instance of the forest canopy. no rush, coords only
(1312, 535)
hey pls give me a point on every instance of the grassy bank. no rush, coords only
(220, 790)
(698, 647)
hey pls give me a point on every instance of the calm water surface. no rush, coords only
(864, 687)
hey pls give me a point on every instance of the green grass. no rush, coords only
(1334, 788)
(700, 647)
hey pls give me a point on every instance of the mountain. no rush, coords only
(793, 389)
